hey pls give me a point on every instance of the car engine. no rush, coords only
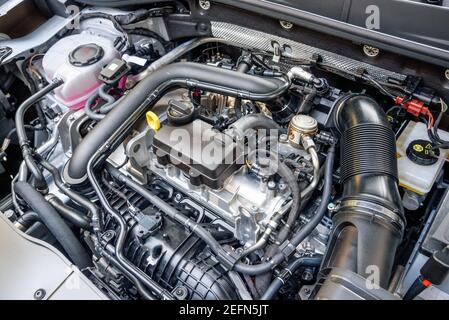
(234, 164)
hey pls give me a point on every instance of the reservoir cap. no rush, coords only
(421, 152)
(86, 55)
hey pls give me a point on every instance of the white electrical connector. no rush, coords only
(135, 60)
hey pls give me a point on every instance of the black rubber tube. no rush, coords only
(81, 200)
(253, 121)
(289, 178)
(182, 74)
(27, 219)
(70, 214)
(88, 107)
(55, 224)
(121, 237)
(302, 233)
(279, 281)
(21, 131)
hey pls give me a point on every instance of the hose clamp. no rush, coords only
(375, 210)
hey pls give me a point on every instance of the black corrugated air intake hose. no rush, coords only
(147, 92)
(368, 223)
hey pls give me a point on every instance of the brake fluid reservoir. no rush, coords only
(418, 164)
(78, 60)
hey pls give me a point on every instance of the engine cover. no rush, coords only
(208, 157)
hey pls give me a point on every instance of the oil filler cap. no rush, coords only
(180, 113)
(421, 152)
(86, 55)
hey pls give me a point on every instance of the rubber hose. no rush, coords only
(27, 219)
(278, 282)
(22, 136)
(55, 224)
(81, 200)
(253, 121)
(289, 178)
(70, 214)
(89, 105)
(305, 231)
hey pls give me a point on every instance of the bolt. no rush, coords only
(204, 4)
(307, 274)
(307, 291)
(180, 293)
(332, 207)
(202, 27)
(283, 138)
(39, 294)
(446, 74)
(307, 246)
(370, 51)
(178, 197)
(271, 184)
(286, 24)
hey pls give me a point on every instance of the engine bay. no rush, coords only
(232, 165)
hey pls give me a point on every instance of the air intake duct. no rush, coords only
(368, 223)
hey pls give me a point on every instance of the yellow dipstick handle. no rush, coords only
(153, 121)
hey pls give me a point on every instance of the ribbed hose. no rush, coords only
(370, 149)
(369, 223)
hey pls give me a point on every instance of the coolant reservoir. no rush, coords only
(418, 164)
(78, 60)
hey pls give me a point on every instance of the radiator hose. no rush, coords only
(368, 222)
